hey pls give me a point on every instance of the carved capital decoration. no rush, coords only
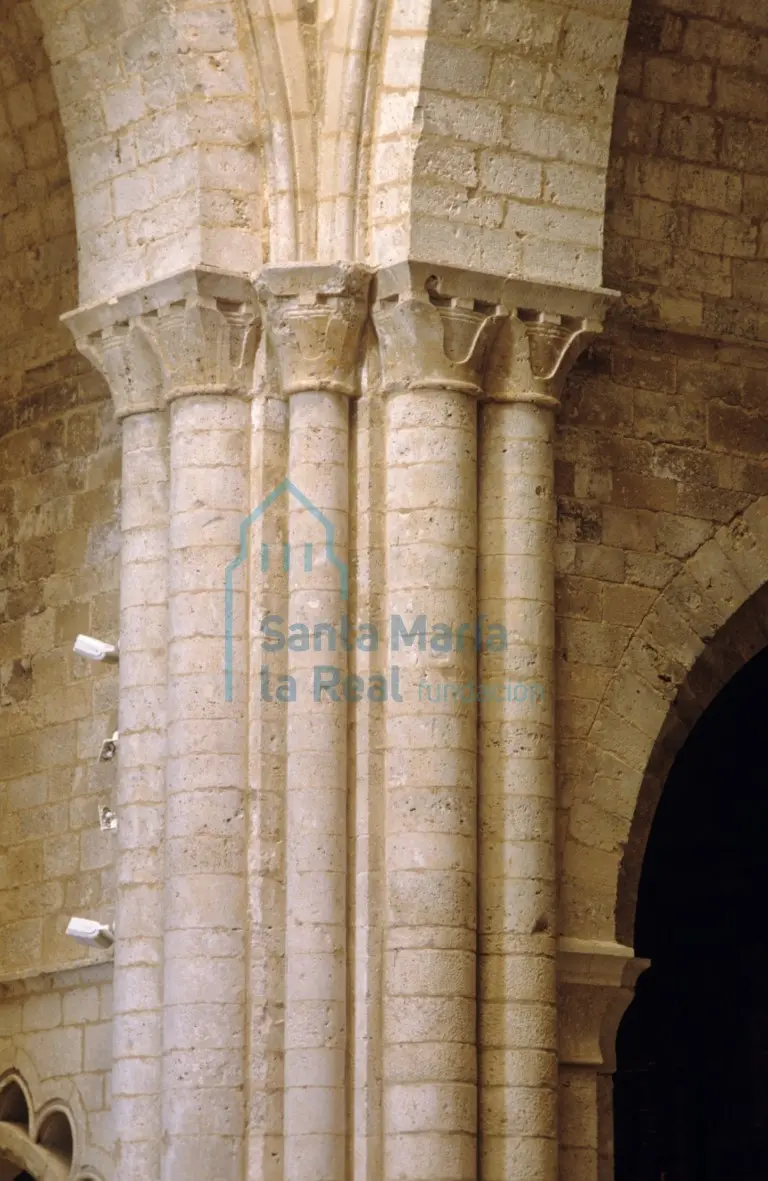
(596, 982)
(435, 326)
(314, 315)
(438, 327)
(548, 328)
(193, 333)
(129, 364)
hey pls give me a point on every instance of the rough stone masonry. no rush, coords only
(341, 314)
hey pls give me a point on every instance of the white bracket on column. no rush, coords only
(107, 819)
(109, 748)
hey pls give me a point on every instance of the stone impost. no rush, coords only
(314, 316)
(518, 886)
(596, 982)
(435, 326)
(123, 354)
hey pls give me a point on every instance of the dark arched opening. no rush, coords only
(56, 1135)
(691, 1085)
(14, 1108)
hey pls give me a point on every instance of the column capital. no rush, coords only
(193, 333)
(547, 329)
(435, 326)
(314, 315)
(596, 981)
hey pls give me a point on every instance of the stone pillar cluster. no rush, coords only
(418, 955)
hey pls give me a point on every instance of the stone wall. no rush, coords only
(526, 181)
(38, 250)
(481, 141)
(55, 1038)
(59, 487)
(663, 435)
(59, 491)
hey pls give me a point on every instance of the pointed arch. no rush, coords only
(15, 1102)
(703, 626)
(288, 127)
(344, 135)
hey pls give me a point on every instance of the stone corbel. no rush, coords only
(596, 982)
(193, 333)
(314, 316)
(548, 328)
(435, 325)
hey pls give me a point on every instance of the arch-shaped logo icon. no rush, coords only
(285, 486)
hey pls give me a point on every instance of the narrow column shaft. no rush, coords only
(434, 326)
(138, 969)
(367, 796)
(314, 316)
(579, 1123)
(268, 595)
(518, 1027)
(316, 980)
(205, 827)
(429, 987)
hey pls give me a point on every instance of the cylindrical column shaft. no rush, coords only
(268, 595)
(518, 901)
(434, 326)
(367, 795)
(188, 342)
(138, 969)
(205, 899)
(316, 981)
(314, 316)
(429, 1018)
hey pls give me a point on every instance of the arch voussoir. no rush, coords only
(694, 603)
(632, 698)
(705, 624)
(746, 550)
(677, 640)
(614, 786)
(712, 568)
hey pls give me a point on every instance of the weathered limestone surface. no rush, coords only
(434, 335)
(314, 317)
(179, 357)
(123, 356)
(661, 442)
(355, 934)
(518, 1031)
